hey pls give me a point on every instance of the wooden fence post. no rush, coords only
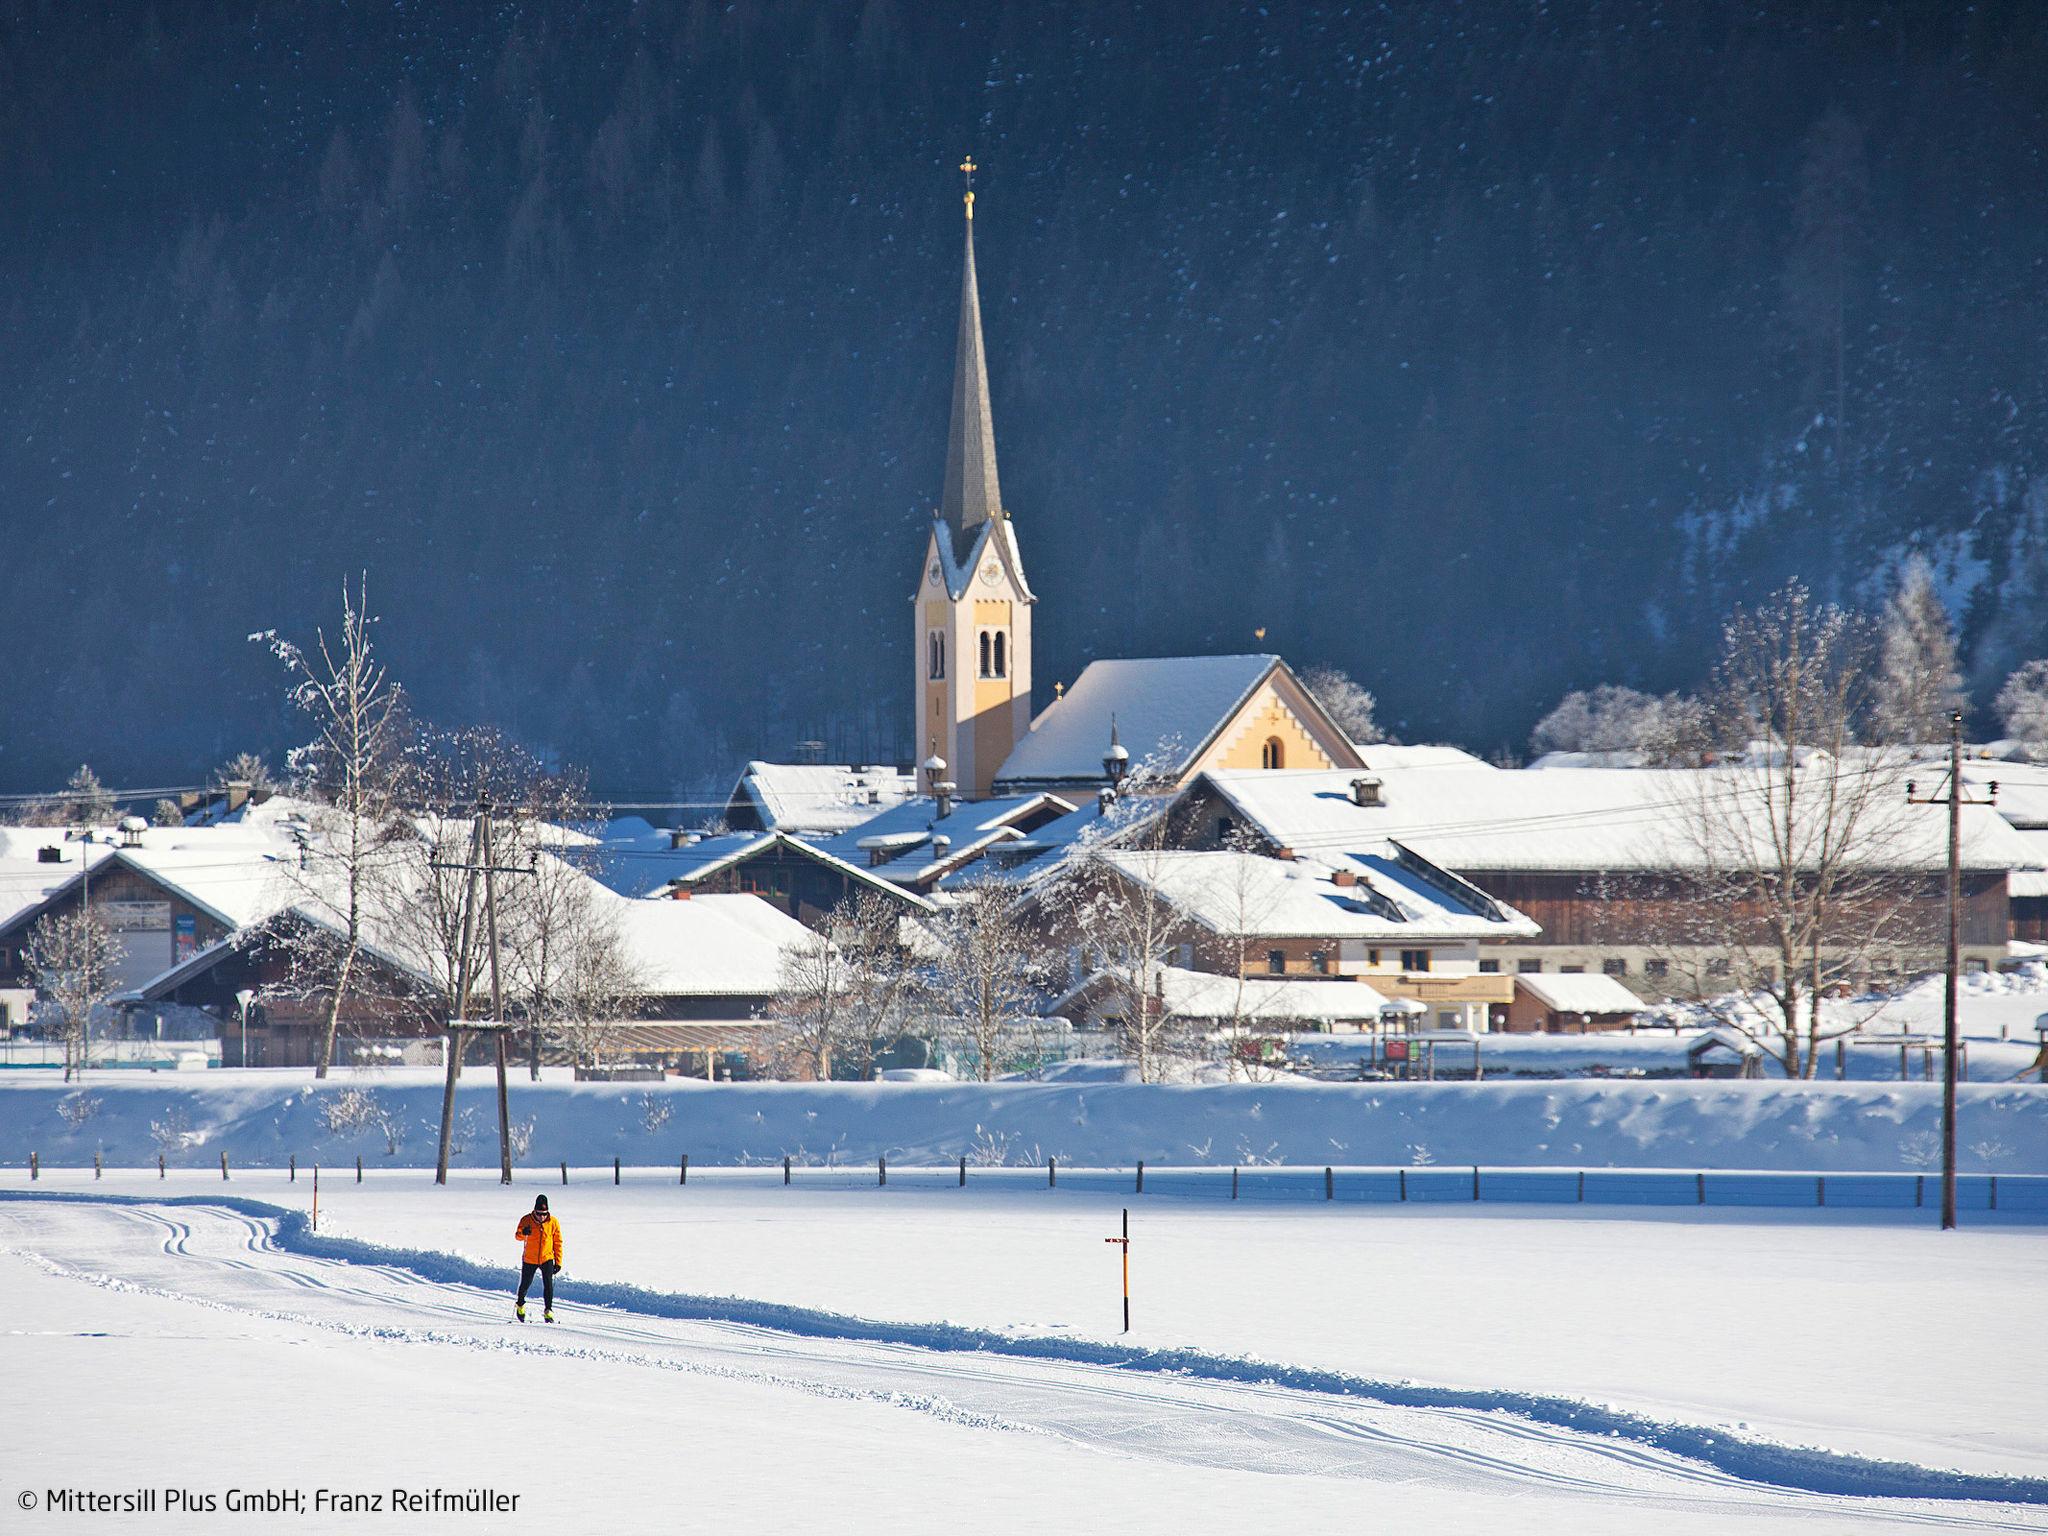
(565, 1173)
(881, 1170)
(95, 1165)
(963, 1170)
(223, 1163)
(1402, 1175)
(35, 1167)
(1820, 1189)
(1475, 1181)
(359, 1167)
(160, 1165)
(615, 1170)
(1329, 1183)
(785, 1167)
(1582, 1186)
(1700, 1180)
(1233, 1183)
(683, 1170)
(1052, 1172)
(1141, 1176)
(1919, 1189)
(295, 1169)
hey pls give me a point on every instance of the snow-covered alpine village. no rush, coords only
(1260, 1002)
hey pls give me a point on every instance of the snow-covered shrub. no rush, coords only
(78, 1108)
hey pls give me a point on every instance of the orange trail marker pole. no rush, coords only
(1124, 1242)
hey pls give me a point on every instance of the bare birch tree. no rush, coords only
(569, 970)
(352, 766)
(71, 957)
(843, 993)
(1796, 856)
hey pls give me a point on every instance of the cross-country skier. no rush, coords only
(542, 1235)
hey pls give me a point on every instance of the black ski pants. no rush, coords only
(547, 1282)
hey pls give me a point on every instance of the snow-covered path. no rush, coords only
(230, 1265)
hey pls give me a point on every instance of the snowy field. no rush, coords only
(743, 1357)
(264, 1117)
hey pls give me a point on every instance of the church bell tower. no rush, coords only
(973, 652)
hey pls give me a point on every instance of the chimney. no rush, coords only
(132, 828)
(679, 892)
(677, 838)
(943, 793)
(49, 855)
(1366, 791)
(1345, 878)
(942, 845)
(1284, 853)
(238, 795)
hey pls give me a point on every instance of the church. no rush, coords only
(1172, 717)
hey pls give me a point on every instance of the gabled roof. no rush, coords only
(1590, 992)
(819, 798)
(1587, 820)
(1393, 897)
(646, 867)
(1167, 710)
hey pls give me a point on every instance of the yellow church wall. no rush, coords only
(1265, 717)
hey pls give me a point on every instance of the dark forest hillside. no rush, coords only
(1482, 350)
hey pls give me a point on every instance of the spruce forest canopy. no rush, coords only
(1484, 351)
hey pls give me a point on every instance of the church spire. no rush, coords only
(971, 496)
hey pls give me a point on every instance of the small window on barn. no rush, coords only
(1319, 962)
(1571, 970)
(1719, 966)
(1489, 967)
(1414, 959)
(1613, 967)
(1657, 968)
(1273, 754)
(1529, 967)
(1224, 827)
(1276, 962)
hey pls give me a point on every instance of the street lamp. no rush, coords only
(245, 997)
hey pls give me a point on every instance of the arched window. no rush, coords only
(1273, 754)
(935, 653)
(1002, 661)
(985, 670)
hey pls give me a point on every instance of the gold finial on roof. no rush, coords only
(967, 169)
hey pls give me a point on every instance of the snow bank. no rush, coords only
(263, 1117)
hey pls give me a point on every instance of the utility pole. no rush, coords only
(479, 862)
(1955, 799)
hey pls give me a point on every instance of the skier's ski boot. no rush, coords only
(547, 1317)
(519, 1312)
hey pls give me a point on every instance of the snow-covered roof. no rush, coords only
(1387, 754)
(647, 865)
(709, 945)
(1591, 820)
(2030, 882)
(904, 837)
(2022, 797)
(1390, 897)
(1590, 992)
(1167, 710)
(225, 869)
(1254, 1001)
(820, 798)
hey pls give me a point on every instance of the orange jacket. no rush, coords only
(543, 1239)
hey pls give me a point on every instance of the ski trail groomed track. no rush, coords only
(1175, 1404)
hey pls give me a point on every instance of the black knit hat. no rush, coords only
(540, 1202)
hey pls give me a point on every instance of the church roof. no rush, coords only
(1167, 710)
(971, 495)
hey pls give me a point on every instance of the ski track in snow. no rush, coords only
(250, 1258)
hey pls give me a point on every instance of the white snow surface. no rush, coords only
(755, 1355)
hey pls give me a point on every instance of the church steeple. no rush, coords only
(973, 604)
(971, 495)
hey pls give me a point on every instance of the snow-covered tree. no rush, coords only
(1659, 729)
(2023, 705)
(352, 766)
(70, 957)
(1346, 702)
(1917, 684)
(243, 768)
(987, 974)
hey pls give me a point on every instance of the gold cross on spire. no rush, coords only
(967, 169)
